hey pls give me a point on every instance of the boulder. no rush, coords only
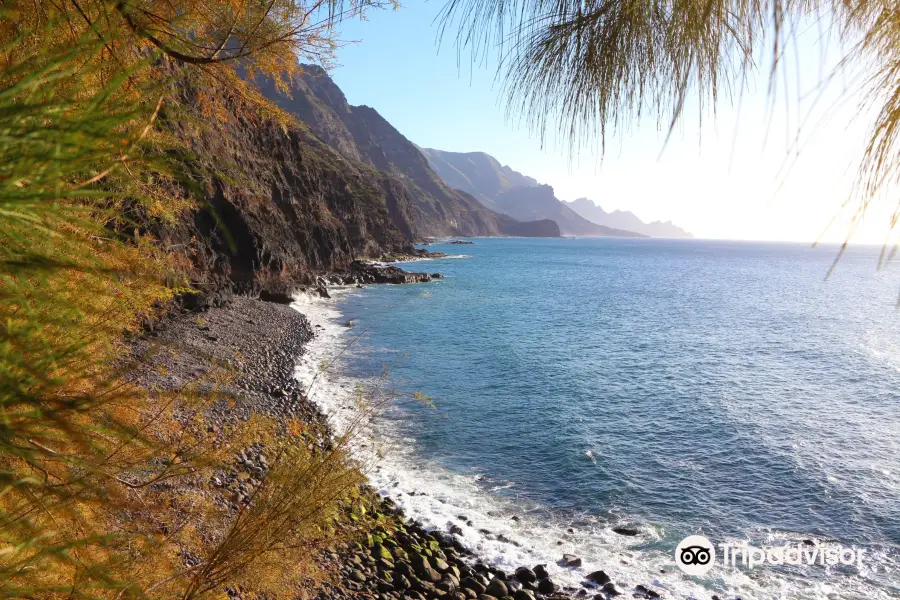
(497, 588)
(546, 586)
(642, 591)
(569, 560)
(523, 595)
(404, 569)
(628, 531)
(428, 589)
(598, 577)
(423, 569)
(472, 584)
(400, 582)
(541, 571)
(357, 575)
(399, 553)
(610, 590)
(525, 575)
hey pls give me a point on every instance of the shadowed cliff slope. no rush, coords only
(361, 134)
(281, 207)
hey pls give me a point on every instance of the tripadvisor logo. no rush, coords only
(695, 555)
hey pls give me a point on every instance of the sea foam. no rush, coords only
(438, 497)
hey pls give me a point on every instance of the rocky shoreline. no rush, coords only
(260, 341)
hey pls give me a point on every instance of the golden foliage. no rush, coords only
(104, 486)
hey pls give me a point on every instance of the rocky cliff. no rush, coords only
(476, 173)
(363, 136)
(279, 206)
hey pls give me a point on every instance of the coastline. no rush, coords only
(493, 536)
(411, 320)
(281, 345)
(270, 347)
(481, 533)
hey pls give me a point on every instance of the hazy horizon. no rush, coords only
(727, 173)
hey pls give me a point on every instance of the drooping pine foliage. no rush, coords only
(102, 482)
(595, 66)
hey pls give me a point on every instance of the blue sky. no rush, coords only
(733, 177)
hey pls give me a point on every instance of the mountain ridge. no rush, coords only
(505, 190)
(493, 184)
(627, 220)
(362, 135)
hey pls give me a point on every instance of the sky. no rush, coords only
(728, 175)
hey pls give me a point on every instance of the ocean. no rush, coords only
(547, 391)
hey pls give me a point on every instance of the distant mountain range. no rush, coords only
(437, 193)
(504, 190)
(476, 173)
(507, 191)
(626, 220)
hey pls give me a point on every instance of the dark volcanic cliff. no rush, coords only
(360, 134)
(280, 207)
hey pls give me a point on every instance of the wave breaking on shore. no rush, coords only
(501, 530)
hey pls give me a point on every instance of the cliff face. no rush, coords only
(362, 135)
(476, 173)
(280, 206)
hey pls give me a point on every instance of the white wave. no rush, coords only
(424, 258)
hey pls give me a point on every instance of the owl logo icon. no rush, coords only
(695, 555)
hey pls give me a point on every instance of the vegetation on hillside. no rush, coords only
(97, 475)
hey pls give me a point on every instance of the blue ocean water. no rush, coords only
(678, 387)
